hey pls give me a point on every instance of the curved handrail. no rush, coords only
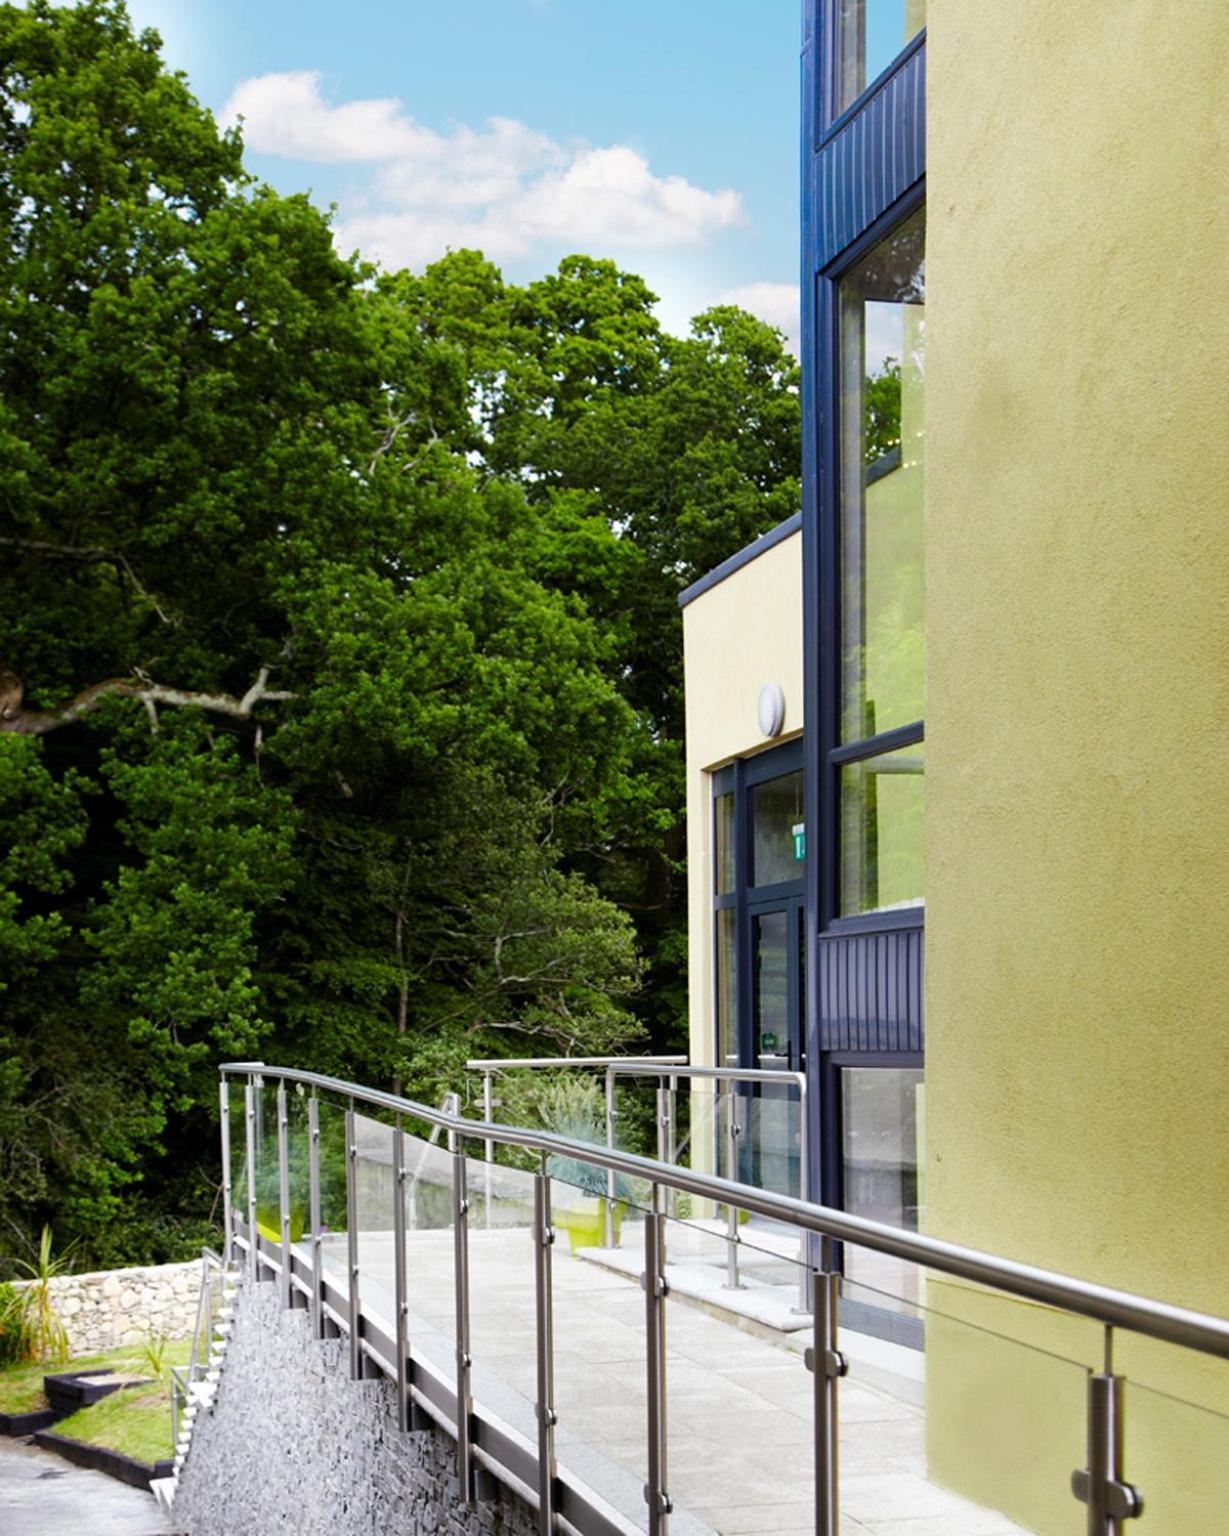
(1119, 1309)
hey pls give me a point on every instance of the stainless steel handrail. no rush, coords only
(500, 1063)
(1113, 1308)
(667, 1070)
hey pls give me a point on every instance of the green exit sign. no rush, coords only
(800, 840)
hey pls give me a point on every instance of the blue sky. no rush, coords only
(663, 134)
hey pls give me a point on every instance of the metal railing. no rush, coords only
(668, 1071)
(207, 1302)
(483, 1441)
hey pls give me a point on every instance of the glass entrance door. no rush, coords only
(773, 1115)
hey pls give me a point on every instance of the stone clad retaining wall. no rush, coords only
(293, 1445)
(112, 1307)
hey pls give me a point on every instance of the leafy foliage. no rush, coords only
(882, 407)
(341, 697)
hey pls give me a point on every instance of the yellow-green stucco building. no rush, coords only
(987, 670)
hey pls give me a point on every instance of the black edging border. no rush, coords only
(137, 1474)
(16, 1424)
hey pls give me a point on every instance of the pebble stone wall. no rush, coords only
(112, 1307)
(293, 1445)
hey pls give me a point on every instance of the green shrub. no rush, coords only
(10, 1324)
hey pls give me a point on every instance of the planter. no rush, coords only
(584, 1221)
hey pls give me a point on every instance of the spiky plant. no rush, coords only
(42, 1333)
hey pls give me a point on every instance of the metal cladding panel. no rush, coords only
(870, 988)
(871, 160)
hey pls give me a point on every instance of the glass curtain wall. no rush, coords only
(882, 370)
(869, 35)
(882, 1118)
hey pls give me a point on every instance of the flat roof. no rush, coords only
(761, 546)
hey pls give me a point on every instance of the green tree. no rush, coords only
(340, 703)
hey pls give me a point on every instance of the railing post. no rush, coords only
(488, 1148)
(317, 1240)
(399, 1270)
(611, 1116)
(228, 1220)
(356, 1350)
(283, 1191)
(672, 1109)
(733, 1128)
(249, 1131)
(544, 1237)
(827, 1366)
(654, 1282)
(460, 1228)
(1109, 1497)
(665, 1132)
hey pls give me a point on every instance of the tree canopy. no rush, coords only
(340, 657)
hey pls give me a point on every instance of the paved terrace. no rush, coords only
(739, 1397)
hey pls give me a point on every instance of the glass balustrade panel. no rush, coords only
(962, 1408)
(334, 1221)
(503, 1310)
(739, 1403)
(427, 1194)
(599, 1314)
(1176, 1437)
(375, 1194)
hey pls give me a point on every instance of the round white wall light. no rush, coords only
(772, 709)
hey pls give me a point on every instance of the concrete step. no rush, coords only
(163, 1490)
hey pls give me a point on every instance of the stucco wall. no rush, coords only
(112, 1307)
(293, 1445)
(1077, 556)
(742, 633)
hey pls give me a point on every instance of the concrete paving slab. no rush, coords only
(41, 1494)
(739, 1396)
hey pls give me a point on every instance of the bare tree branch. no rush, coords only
(16, 720)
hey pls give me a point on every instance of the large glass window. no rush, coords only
(758, 862)
(881, 832)
(882, 371)
(869, 35)
(727, 988)
(776, 820)
(881, 1122)
(723, 861)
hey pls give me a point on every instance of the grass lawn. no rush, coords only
(135, 1420)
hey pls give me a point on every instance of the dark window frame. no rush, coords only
(863, 172)
(739, 778)
(831, 752)
(829, 119)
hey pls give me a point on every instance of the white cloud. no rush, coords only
(504, 188)
(775, 303)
